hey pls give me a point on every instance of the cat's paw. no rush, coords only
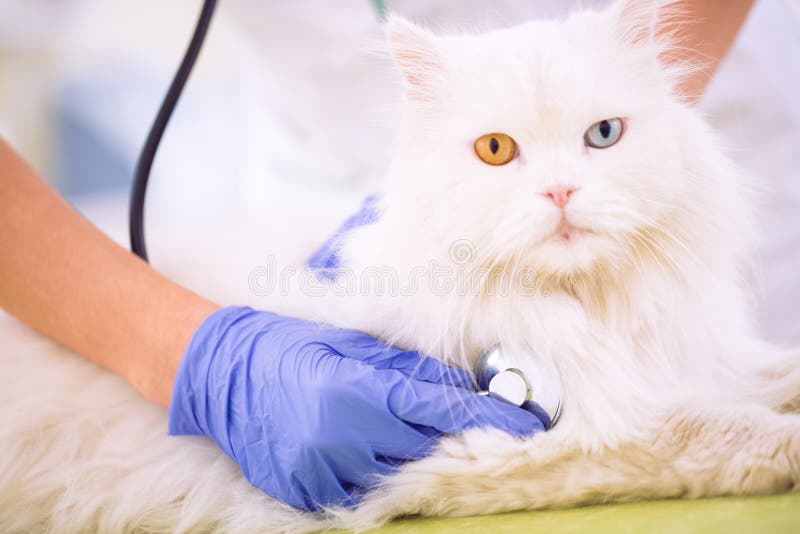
(736, 449)
(478, 472)
(774, 467)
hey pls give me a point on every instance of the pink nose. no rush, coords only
(559, 194)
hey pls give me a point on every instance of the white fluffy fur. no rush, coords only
(669, 390)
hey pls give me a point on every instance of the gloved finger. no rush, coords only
(327, 257)
(355, 344)
(427, 369)
(361, 468)
(316, 485)
(403, 441)
(453, 410)
(365, 348)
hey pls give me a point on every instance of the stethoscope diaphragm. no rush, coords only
(498, 373)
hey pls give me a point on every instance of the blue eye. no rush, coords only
(603, 134)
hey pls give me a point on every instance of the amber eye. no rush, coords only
(495, 148)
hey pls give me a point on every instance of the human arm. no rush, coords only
(71, 282)
(706, 30)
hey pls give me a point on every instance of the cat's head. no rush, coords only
(558, 144)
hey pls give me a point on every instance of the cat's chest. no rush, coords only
(547, 330)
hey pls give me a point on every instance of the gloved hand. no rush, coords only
(312, 413)
(326, 259)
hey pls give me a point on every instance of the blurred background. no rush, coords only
(295, 99)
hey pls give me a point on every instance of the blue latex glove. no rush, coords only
(326, 259)
(312, 413)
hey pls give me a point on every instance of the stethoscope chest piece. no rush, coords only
(538, 389)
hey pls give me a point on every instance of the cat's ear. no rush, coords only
(415, 52)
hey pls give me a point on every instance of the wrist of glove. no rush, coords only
(314, 414)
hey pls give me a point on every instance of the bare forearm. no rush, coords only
(707, 30)
(68, 280)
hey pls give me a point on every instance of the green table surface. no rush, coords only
(776, 514)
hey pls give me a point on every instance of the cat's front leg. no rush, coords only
(690, 452)
(728, 449)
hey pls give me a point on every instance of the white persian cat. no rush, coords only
(565, 199)
(595, 219)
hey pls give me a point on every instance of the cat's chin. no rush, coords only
(573, 252)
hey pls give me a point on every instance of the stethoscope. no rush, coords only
(538, 390)
(148, 154)
(497, 370)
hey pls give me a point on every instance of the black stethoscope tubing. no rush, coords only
(148, 153)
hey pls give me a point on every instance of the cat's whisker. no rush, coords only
(664, 269)
(663, 231)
